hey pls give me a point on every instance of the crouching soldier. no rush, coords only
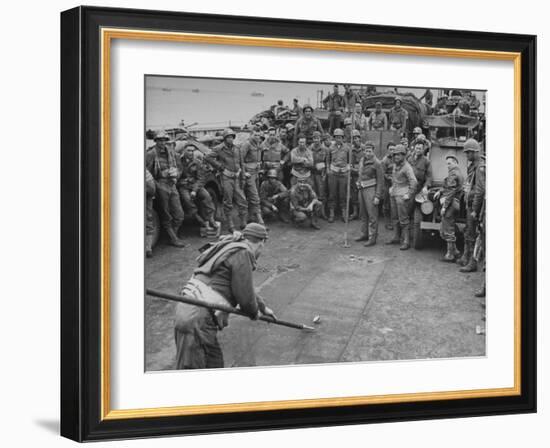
(274, 197)
(224, 277)
(401, 192)
(161, 162)
(227, 159)
(449, 198)
(304, 204)
(370, 184)
(150, 189)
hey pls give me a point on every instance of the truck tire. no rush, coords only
(156, 230)
(417, 236)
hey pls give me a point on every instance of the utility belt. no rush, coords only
(320, 167)
(339, 169)
(367, 183)
(252, 166)
(300, 175)
(231, 174)
(271, 165)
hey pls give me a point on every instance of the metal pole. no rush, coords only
(228, 309)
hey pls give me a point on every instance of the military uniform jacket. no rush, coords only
(398, 117)
(252, 156)
(371, 174)
(334, 102)
(338, 156)
(306, 128)
(475, 185)
(422, 168)
(452, 186)
(301, 161)
(193, 174)
(223, 157)
(158, 162)
(403, 180)
(150, 187)
(301, 195)
(319, 158)
(387, 165)
(270, 188)
(378, 121)
(356, 155)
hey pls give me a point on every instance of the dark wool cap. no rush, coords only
(256, 230)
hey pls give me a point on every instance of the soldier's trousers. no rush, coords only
(337, 191)
(319, 186)
(470, 231)
(448, 222)
(251, 194)
(301, 216)
(149, 224)
(282, 203)
(400, 211)
(232, 192)
(334, 122)
(171, 212)
(368, 212)
(196, 334)
(354, 192)
(386, 201)
(203, 198)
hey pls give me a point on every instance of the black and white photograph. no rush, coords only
(292, 223)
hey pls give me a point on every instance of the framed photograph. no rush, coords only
(277, 224)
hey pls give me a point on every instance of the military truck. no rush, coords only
(447, 133)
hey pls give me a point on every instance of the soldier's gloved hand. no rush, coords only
(424, 190)
(267, 312)
(406, 196)
(193, 194)
(376, 201)
(247, 175)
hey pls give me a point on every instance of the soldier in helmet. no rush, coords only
(252, 156)
(356, 155)
(419, 137)
(422, 168)
(191, 188)
(338, 162)
(307, 125)
(273, 154)
(387, 165)
(378, 121)
(150, 189)
(474, 191)
(401, 192)
(227, 159)
(335, 105)
(304, 204)
(161, 162)
(449, 198)
(319, 170)
(398, 117)
(347, 130)
(274, 197)
(370, 185)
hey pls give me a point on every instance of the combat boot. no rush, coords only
(174, 240)
(462, 261)
(363, 237)
(244, 220)
(449, 256)
(323, 213)
(471, 266)
(480, 292)
(406, 238)
(259, 218)
(370, 242)
(200, 220)
(354, 215)
(314, 222)
(396, 236)
(331, 215)
(229, 223)
(148, 246)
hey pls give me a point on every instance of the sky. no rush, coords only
(213, 102)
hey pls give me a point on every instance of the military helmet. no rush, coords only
(289, 126)
(307, 106)
(404, 141)
(417, 130)
(369, 144)
(338, 131)
(190, 145)
(272, 173)
(399, 149)
(227, 132)
(316, 134)
(347, 121)
(471, 145)
(162, 135)
(355, 133)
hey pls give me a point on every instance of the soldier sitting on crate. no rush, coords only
(274, 197)
(192, 191)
